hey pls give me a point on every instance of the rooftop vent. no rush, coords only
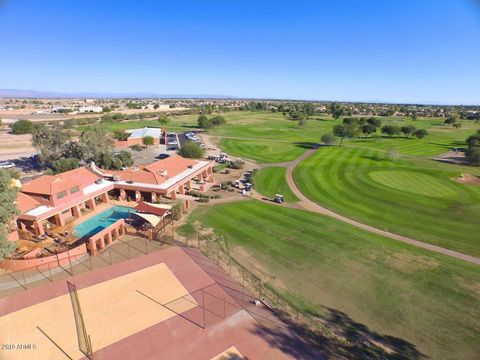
(190, 166)
(163, 173)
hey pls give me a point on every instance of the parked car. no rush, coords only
(6, 165)
(163, 156)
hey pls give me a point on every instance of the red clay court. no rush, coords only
(171, 304)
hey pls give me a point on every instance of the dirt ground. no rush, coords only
(15, 146)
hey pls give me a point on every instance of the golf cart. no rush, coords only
(278, 199)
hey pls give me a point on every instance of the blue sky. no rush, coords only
(352, 50)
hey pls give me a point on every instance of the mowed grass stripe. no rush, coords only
(261, 150)
(387, 286)
(425, 204)
(272, 180)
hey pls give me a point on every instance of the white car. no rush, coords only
(6, 165)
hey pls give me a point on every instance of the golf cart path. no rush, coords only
(308, 204)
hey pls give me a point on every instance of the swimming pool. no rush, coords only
(102, 221)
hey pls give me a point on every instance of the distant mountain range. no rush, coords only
(15, 93)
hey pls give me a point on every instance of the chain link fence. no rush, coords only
(256, 289)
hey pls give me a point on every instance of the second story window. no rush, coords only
(61, 194)
(74, 189)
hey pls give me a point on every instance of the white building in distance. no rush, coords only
(90, 109)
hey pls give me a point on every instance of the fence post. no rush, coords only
(243, 286)
(259, 289)
(70, 262)
(24, 281)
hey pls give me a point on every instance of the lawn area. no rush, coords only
(389, 287)
(275, 127)
(272, 180)
(263, 151)
(268, 126)
(410, 196)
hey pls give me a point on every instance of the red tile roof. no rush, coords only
(151, 174)
(53, 184)
(25, 202)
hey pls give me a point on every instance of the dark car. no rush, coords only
(163, 156)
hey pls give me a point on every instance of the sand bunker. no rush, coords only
(468, 179)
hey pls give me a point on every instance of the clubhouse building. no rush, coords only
(49, 203)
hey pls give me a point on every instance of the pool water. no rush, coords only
(101, 221)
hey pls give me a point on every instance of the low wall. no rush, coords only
(44, 262)
(105, 237)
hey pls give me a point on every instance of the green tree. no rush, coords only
(218, 120)
(457, 125)
(191, 150)
(472, 155)
(148, 140)
(116, 164)
(375, 122)
(23, 127)
(65, 164)
(51, 142)
(336, 110)
(94, 142)
(302, 122)
(327, 139)
(420, 133)
(368, 129)
(452, 117)
(390, 130)
(408, 130)
(121, 135)
(345, 131)
(204, 122)
(294, 115)
(125, 157)
(163, 120)
(8, 209)
(308, 109)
